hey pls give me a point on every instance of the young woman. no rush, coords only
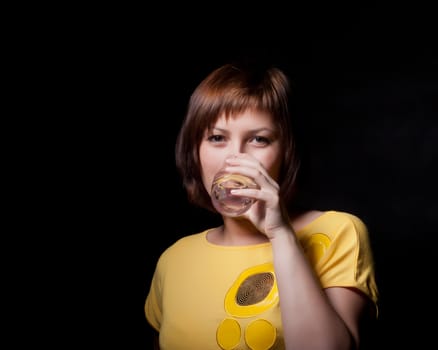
(272, 277)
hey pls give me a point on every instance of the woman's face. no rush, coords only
(250, 132)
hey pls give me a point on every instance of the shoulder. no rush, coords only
(331, 222)
(302, 219)
(339, 234)
(344, 227)
(184, 245)
(347, 220)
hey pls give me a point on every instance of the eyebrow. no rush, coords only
(249, 131)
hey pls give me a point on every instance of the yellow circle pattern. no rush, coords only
(260, 335)
(315, 246)
(228, 334)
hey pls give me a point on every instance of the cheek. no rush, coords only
(210, 165)
(208, 172)
(272, 164)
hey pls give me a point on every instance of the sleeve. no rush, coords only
(348, 261)
(153, 305)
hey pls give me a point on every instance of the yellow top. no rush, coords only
(205, 296)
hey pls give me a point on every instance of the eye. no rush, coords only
(216, 138)
(261, 140)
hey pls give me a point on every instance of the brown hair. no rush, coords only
(228, 90)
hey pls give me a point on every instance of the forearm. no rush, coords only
(309, 320)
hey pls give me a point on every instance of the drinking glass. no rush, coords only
(222, 199)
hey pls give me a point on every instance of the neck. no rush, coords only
(239, 231)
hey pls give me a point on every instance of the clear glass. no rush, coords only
(224, 202)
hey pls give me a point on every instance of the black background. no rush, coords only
(367, 87)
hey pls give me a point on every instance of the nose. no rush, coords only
(236, 146)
